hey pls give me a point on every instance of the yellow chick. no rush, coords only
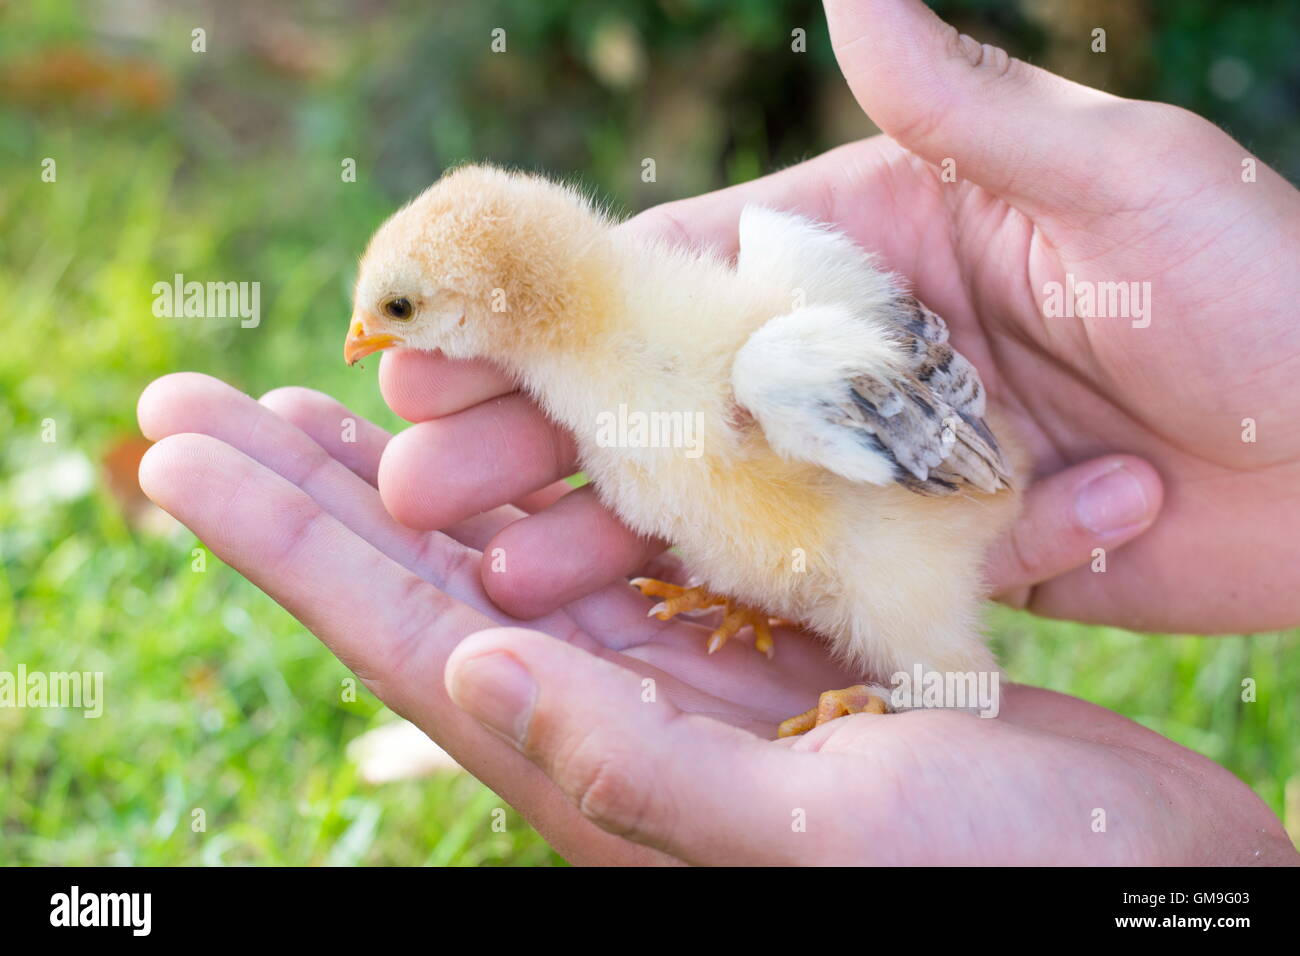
(796, 424)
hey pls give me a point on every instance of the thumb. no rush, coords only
(1013, 128)
(630, 761)
(1067, 517)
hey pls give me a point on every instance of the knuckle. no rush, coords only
(987, 62)
(1026, 554)
(918, 128)
(664, 221)
(609, 792)
(446, 563)
(419, 606)
(958, 44)
(1166, 116)
(986, 57)
(1170, 134)
(997, 61)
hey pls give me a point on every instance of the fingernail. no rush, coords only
(497, 691)
(1112, 502)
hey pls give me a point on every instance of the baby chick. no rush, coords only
(839, 470)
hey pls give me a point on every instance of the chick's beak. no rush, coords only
(361, 343)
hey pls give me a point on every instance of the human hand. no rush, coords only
(1053, 179)
(614, 770)
(659, 774)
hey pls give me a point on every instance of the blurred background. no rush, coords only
(226, 165)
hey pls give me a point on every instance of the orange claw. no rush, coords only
(678, 599)
(858, 699)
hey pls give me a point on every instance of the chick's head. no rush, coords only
(483, 263)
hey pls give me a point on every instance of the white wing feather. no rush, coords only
(859, 377)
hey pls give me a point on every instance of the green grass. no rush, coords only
(216, 699)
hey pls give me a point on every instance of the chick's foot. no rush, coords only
(858, 699)
(678, 599)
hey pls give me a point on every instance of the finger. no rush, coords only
(439, 472)
(345, 435)
(187, 402)
(419, 386)
(630, 761)
(1013, 128)
(560, 554)
(647, 639)
(387, 625)
(359, 444)
(340, 586)
(1068, 516)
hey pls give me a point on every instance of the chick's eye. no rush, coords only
(398, 307)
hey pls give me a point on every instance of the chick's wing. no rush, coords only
(880, 397)
(928, 418)
(859, 378)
